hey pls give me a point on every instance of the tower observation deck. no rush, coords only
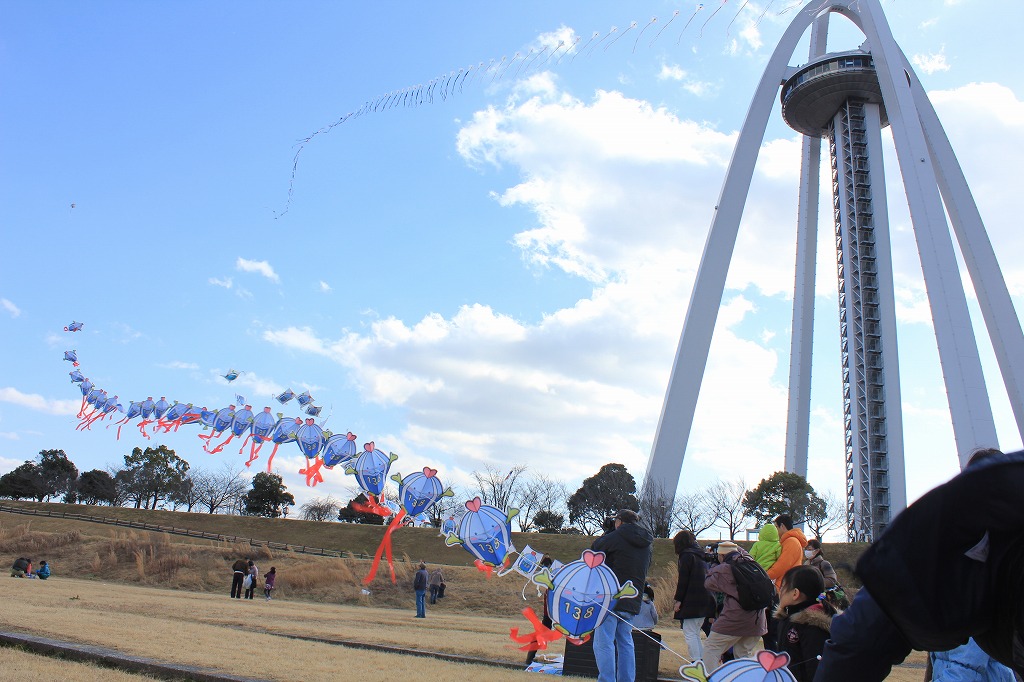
(846, 99)
(838, 97)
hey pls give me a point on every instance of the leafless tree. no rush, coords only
(826, 513)
(539, 493)
(320, 509)
(655, 508)
(221, 489)
(726, 500)
(497, 487)
(446, 507)
(694, 512)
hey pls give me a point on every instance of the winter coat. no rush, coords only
(826, 570)
(968, 663)
(240, 566)
(969, 534)
(802, 635)
(648, 616)
(44, 572)
(627, 551)
(419, 581)
(734, 620)
(767, 549)
(269, 579)
(695, 600)
(793, 543)
(436, 578)
(20, 564)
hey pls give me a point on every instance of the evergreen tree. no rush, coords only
(268, 496)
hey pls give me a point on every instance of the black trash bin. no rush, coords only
(579, 660)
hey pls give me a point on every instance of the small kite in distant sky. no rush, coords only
(286, 396)
(231, 375)
(304, 398)
(72, 357)
(74, 327)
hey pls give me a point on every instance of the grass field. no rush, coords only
(111, 583)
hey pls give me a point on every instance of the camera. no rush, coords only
(608, 525)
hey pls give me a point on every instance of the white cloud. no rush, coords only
(36, 402)
(621, 194)
(931, 63)
(261, 267)
(178, 364)
(671, 72)
(14, 310)
(695, 87)
(222, 282)
(8, 435)
(324, 286)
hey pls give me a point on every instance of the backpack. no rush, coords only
(755, 589)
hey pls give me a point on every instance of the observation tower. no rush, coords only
(847, 98)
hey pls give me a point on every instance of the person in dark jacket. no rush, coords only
(21, 567)
(693, 602)
(239, 568)
(419, 586)
(949, 567)
(627, 552)
(805, 619)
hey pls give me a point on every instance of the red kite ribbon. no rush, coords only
(539, 638)
(385, 547)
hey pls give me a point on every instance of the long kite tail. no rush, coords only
(385, 548)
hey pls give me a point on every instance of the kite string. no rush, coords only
(662, 30)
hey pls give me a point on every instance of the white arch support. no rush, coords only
(930, 174)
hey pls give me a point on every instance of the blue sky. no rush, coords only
(495, 278)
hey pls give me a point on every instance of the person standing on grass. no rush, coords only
(735, 627)
(419, 586)
(693, 602)
(436, 578)
(240, 568)
(627, 551)
(254, 575)
(268, 581)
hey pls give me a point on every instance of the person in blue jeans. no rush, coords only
(627, 551)
(419, 585)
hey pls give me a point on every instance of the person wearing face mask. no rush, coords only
(814, 557)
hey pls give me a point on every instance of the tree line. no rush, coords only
(155, 477)
(151, 478)
(546, 505)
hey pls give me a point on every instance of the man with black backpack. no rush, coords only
(748, 592)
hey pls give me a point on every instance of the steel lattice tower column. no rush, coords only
(848, 98)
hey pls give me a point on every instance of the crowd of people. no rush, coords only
(940, 579)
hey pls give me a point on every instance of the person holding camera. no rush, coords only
(627, 549)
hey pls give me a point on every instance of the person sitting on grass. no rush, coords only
(22, 568)
(44, 571)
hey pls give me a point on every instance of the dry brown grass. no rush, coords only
(314, 596)
(17, 664)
